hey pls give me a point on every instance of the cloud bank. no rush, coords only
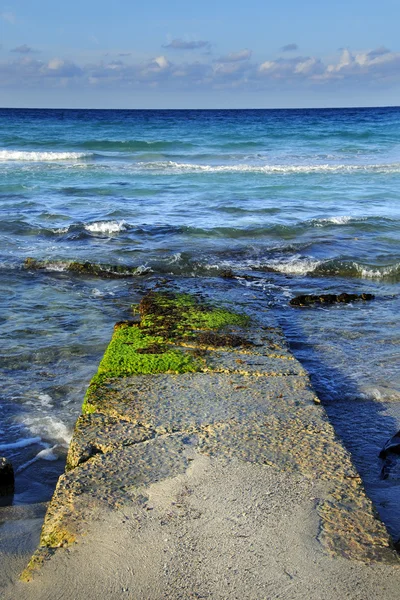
(236, 70)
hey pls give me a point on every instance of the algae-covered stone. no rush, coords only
(344, 298)
(156, 344)
(87, 268)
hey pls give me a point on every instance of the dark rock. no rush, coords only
(227, 274)
(328, 298)
(310, 299)
(367, 296)
(391, 446)
(6, 477)
(84, 268)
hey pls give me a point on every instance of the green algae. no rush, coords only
(156, 344)
(175, 315)
(125, 356)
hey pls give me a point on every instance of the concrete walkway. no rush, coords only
(227, 482)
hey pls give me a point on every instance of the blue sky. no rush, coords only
(126, 54)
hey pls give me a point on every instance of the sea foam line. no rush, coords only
(32, 156)
(23, 443)
(175, 167)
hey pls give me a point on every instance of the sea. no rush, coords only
(285, 202)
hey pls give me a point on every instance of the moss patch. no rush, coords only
(133, 352)
(167, 321)
(173, 316)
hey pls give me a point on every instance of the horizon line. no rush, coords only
(200, 109)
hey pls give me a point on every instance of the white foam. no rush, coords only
(59, 266)
(106, 227)
(380, 394)
(339, 220)
(379, 272)
(143, 269)
(17, 155)
(45, 400)
(296, 265)
(175, 258)
(61, 230)
(21, 443)
(48, 454)
(49, 428)
(175, 167)
(45, 454)
(96, 293)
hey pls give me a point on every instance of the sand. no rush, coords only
(223, 529)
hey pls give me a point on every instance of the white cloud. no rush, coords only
(268, 65)
(56, 67)
(55, 64)
(353, 67)
(372, 64)
(161, 62)
(309, 66)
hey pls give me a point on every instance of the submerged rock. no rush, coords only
(310, 299)
(391, 446)
(84, 268)
(6, 477)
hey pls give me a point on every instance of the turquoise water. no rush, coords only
(291, 201)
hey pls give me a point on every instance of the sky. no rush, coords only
(208, 54)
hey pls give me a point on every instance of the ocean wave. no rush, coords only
(302, 265)
(339, 220)
(32, 156)
(48, 428)
(106, 227)
(175, 167)
(295, 265)
(45, 454)
(22, 443)
(132, 145)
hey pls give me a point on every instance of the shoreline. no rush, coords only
(200, 431)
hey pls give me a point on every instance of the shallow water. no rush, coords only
(299, 201)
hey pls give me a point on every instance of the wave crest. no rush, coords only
(175, 167)
(32, 156)
(106, 227)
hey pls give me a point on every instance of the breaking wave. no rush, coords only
(175, 167)
(300, 265)
(106, 227)
(32, 156)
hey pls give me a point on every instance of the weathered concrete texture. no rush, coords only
(252, 402)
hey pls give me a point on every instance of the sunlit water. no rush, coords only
(290, 201)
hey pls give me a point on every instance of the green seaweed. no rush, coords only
(124, 357)
(174, 315)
